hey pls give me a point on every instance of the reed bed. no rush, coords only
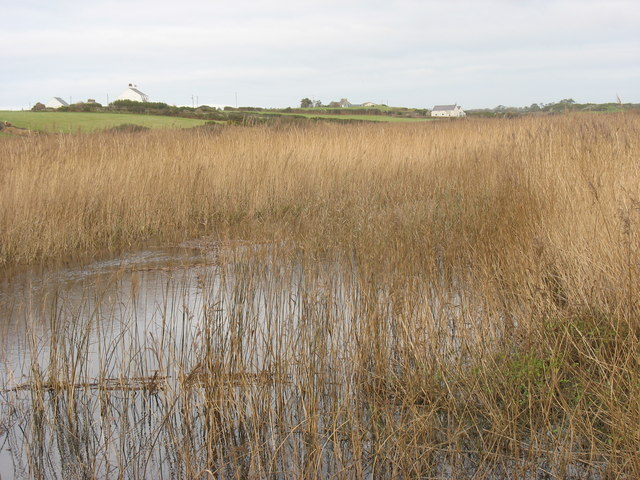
(447, 300)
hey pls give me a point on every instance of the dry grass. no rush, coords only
(469, 305)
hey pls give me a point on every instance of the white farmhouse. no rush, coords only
(132, 93)
(447, 111)
(56, 102)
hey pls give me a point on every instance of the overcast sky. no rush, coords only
(413, 53)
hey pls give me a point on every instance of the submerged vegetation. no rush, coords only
(437, 300)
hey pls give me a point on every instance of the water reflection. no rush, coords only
(134, 350)
(245, 362)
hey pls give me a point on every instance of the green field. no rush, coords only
(382, 108)
(72, 122)
(365, 118)
(83, 122)
(368, 118)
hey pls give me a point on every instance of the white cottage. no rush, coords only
(56, 102)
(447, 111)
(132, 93)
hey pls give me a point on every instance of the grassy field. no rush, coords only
(433, 300)
(366, 118)
(72, 122)
(382, 108)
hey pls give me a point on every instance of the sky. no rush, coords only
(273, 53)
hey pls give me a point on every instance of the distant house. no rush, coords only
(447, 111)
(56, 102)
(132, 93)
(369, 104)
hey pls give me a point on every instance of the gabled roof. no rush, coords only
(132, 93)
(444, 107)
(137, 91)
(65, 104)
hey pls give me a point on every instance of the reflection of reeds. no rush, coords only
(196, 377)
(453, 300)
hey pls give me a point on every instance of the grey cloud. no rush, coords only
(412, 51)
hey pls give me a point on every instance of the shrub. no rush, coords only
(129, 128)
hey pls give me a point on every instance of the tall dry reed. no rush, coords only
(483, 321)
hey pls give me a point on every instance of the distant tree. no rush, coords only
(568, 104)
(85, 107)
(534, 107)
(137, 107)
(317, 103)
(38, 107)
(306, 103)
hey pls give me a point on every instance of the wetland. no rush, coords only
(442, 300)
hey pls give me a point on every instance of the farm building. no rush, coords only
(56, 102)
(447, 111)
(132, 93)
(369, 104)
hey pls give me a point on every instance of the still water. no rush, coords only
(95, 361)
(244, 362)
